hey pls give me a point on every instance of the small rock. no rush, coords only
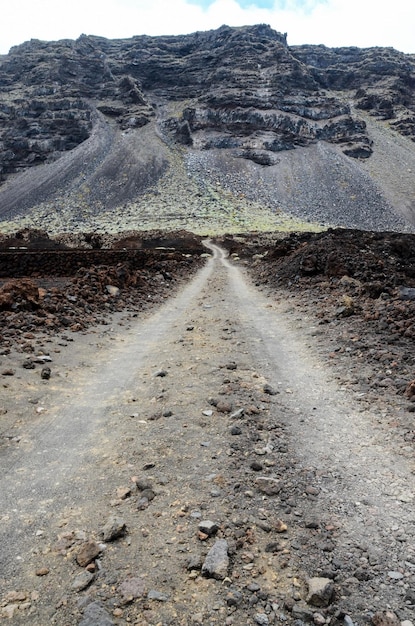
(262, 619)
(15, 596)
(42, 358)
(161, 373)
(8, 372)
(123, 493)
(148, 466)
(87, 552)
(231, 366)
(256, 466)
(96, 615)
(157, 595)
(236, 430)
(142, 483)
(142, 504)
(320, 592)
(269, 390)
(269, 486)
(148, 493)
(280, 526)
(42, 571)
(217, 561)
(223, 406)
(273, 547)
(114, 528)
(82, 581)
(28, 365)
(131, 589)
(195, 562)
(395, 575)
(45, 373)
(233, 597)
(208, 528)
(302, 613)
(385, 618)
(112, 290)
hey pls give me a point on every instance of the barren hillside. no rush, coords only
(218, 131)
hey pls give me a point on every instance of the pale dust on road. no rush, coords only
(201, 434)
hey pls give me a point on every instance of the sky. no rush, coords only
(334, 23)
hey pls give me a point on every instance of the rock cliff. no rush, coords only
(239, 93)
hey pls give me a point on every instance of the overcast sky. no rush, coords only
(360, 23)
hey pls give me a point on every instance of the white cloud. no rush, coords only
(332, 22)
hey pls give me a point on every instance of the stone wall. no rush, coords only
(33, 263)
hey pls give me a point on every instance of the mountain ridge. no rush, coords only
(96, 127)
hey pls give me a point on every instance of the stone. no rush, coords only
(82, 581)
(261, 618)
(15, 596)
(142, 483)
(208, 527)
(236, 430)
(385, 618)
(233, 597)
(87, 552)
(158, 596)
(42, 571)
(320, 592)
(410, 389)
(269, 390)
(131, 589)
(195, 562)
(28, 365)
(148, 493)
(280, 526)
(113, 290)
(269, 486)
(256, 466)
(223, 406)
(302, 613)
(96, 615)
(216, 563)
(45, 373)
(123, 493)
(114, 528)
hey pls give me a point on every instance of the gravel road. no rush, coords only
(202, 465)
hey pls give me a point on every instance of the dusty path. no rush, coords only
(219, 409)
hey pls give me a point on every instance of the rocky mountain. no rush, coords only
(227, 128)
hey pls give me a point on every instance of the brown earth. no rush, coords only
(283, 417)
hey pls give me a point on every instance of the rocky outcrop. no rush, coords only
(240, 88)
(378, 80)
(135, 133)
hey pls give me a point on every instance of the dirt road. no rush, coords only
(232, 465)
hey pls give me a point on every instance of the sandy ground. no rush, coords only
(217, 407)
